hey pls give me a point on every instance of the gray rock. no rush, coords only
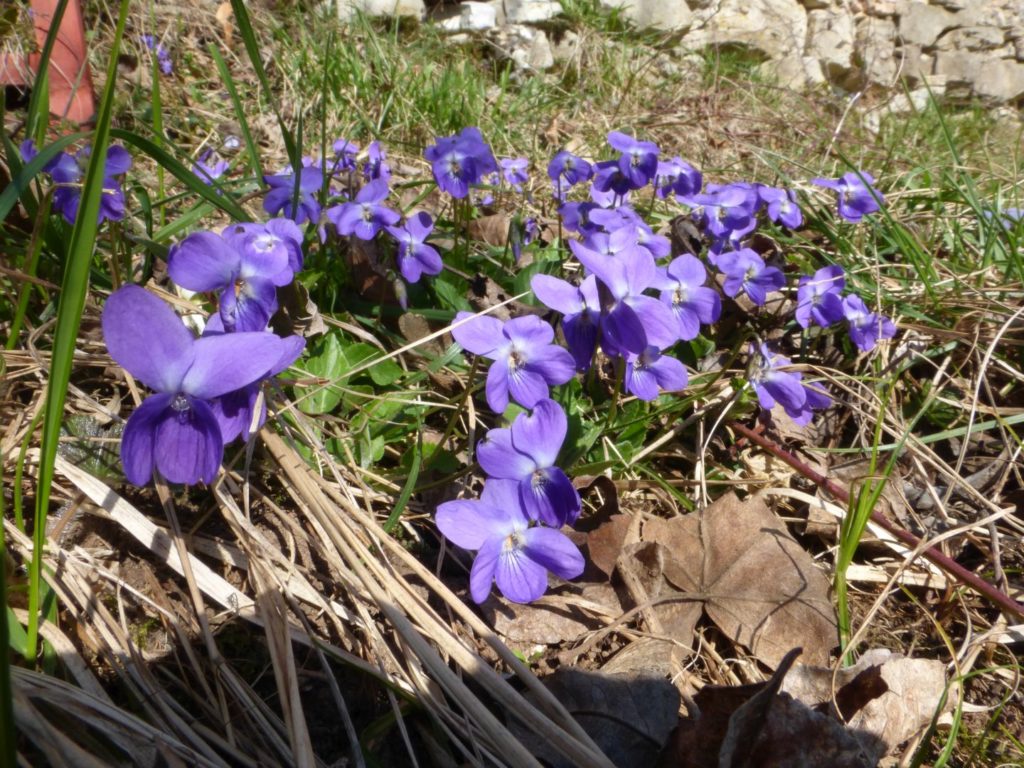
(772, 28)
(672, 15)
(972, 39)
(969, 74)
(953, 5)
(347, 9)
(531, 11)
(531, 49)
(875, 47)
(471, 17)
(922, 24)
(914, 64)
(795, 71)
(830, 40)
(567, 46)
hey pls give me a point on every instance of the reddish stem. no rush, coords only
(946, 563)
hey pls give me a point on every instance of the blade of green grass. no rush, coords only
(253, 49)
(236, 102)
(158, 134)
(179, 171)
(74, 288)
(7, 621)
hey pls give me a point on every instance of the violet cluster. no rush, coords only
(515, 525)
(68, 172)
(208, 389)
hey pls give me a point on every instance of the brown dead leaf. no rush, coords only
(628, 717)
(757, 584)
(754, 726)
(887, 698)
(524, 625)
(492, 229)
(642, 567)
(604, 543)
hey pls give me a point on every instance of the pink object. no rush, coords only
(71, 92)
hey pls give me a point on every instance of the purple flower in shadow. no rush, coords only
(785, 388)
(206, 170)
(573, 169)
(376, 166)
(513, 170)
(282, 189)
(68, 171)
(526, 362)
(365, 216)
(526, 453)
(510, 553)
(415, 257)
(175, 431)
(782, 206)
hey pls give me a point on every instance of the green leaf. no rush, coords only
(450, 295)
(385, 372)
(326, 362)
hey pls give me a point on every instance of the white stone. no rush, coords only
(974, 74)
(914, 64)
(922, 24)
(347, 9)
(774, 28)
(794, 71)
(567, 46)
(531, 11)
(982, 38)
(831, 37)
(674, 15)
(531, 48)
(472, 17)
(875, 46)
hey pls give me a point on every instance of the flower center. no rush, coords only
(516, 360)
(514, 541)
(682, 295)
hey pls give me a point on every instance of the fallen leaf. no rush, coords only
(887, 698)
(522, 625)
(756, 583)
(604, 543)
(756, 726)
(492, 229)
(628, 717)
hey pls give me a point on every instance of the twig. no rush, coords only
(946, 563)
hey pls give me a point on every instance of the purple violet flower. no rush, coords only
(682, 289)
(782, 206)
(279, 233)
(745, 271)
(573, 169)
(784, 387)
(513, 169)
(526, 453)
(415, 257)
(282, 188)
(245, 269)
(67, 172)
(818, 298)
(866, 327)
(581, 313)
(365, 216)
(610, 185)
(651, 371)
(207, 171)
(677, 177)
(345, 153)
(638, 161)
(175, 430)
(236, 410)
(376, 166)
(630, 321)
(511, 553)
(162, 56)
(460, 161)
(526, 361)
(857, 194)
